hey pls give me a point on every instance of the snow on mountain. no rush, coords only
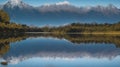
(67, 6)
(62, 6)
(106, 9)
(52, 8)
(63, 3)
(16, 4)
(59, 3)
(55, 7)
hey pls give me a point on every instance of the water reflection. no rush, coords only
(80, 38)
(16, 49)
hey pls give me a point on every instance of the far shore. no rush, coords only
(107, 33)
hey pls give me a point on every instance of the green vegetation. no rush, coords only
(12, 27)
(85, 28)
(4, 48)
(4, 18)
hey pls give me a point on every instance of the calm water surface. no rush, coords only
(49, 51)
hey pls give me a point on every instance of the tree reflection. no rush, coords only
(83, 38)
(4, 48)
(5, 41)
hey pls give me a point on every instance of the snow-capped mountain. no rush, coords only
(61, 6)
(106, 10)
(18, 10)
(16, 4)
(66, 6)
(61, 12)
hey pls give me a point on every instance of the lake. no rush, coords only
(58, 50)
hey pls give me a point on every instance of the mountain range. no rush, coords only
(59, 13)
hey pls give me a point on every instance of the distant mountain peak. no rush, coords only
(16, 3)
(112, 6)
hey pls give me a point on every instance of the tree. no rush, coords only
(4, 17)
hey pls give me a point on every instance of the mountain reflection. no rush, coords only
(17, 48)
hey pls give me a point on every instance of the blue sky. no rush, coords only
(73, 2)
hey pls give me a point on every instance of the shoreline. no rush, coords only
(118, 33)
